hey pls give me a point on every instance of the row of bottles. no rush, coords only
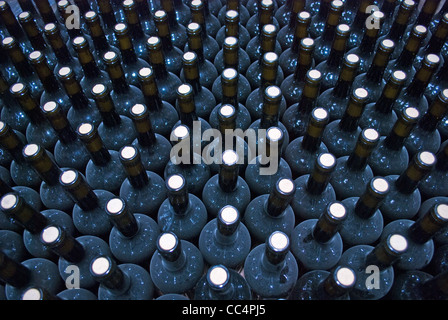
(109, 167)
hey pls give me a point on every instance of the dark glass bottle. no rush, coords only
(154, 149)
(166, 80)
(413, 94)
(361, 21)
(404, 198)
(123, 94)
(130, 60)
(188, 162)
(425, 135)
(366, 47)
(231, 5)
(181, 213)
(177, 265)
(73, 251)
(226, 187)
(24, 69)
(419, 234)
(178, 34)
(435, 184)
(266, 262)
(144, 191)
(271, 212)
(162, 114)
(10, 23)
(391, 155)
(302, 152)
(230, 91)
(18, 277)
(233, 26)
(52, 194)
(288, 16)
(292, 85)
(331, 67)
(92, 73)
(221, 283)
(263, 72)
(133, 237)
(372, 79)
(440, 237)
(265, 15)
(264, 42)
(379, 115)
(290, 42)
(419, 285)
(89, 216)
(125, 281)
(316, 243)
(324, 285)
(319, 13)
(53, 90)
(335, 98)
(136, 32)
(269, 166)
(103, 170)
(324, 42)
(45, 11)
(340, 136)
(364, 222)
(225, 239)
(115, 130)
(366, 259)
(313, 191)
(22, 174)
(11, 112)
(352, 173)
(68, 150)
(203, 97)
(173, 55)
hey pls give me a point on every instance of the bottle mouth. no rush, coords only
(345, 277)
(128, 153)
(380, 185)
(167, 242)
(229, 215)
(100, 266)
(9, 201)
(50, 234)
(218, 276)
(176, 182)
(115, 206)
(278, 241)
(69, 177)
(31, 150)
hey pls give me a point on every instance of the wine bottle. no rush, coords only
(264, 42)
(186, 161)
(18, 277)
(319, 13)
(39, 130)
(302, 152)
(165, 80)
(340, 136)
(265, 15)
(103, 169)
(221, 283)
(419, 285)
(425, 136)
(365, 259)
(335, 99)
(265, 263)
(290, 42)
(22, 174)
(232, 5)
(73, 251)
(182, 213)
(288, 16)
(233, 26)
(316, 243)
(325, 40)
(264, 71)
(360, 22)
(89, 216)
(324, 285)
(352, 173)
(173, 55)
(162, 114)
(434, 184)
(133, 236)
(136, 31)
(364, 222)
(419, 234)
(123, 94)
(379, 115)
(313, 191)
(68, 150)
(142, 190)
(371, 80)
(52, 194)
(225, 239)
(226, 187)
(109, 13)
(271, 212)
(176, 266)
(125, 281)
(178, 34)
(9, 21)
(413, 94)
(404, 198)
(115, 130)
(11, 112)
(130, 57)
(391, 155)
